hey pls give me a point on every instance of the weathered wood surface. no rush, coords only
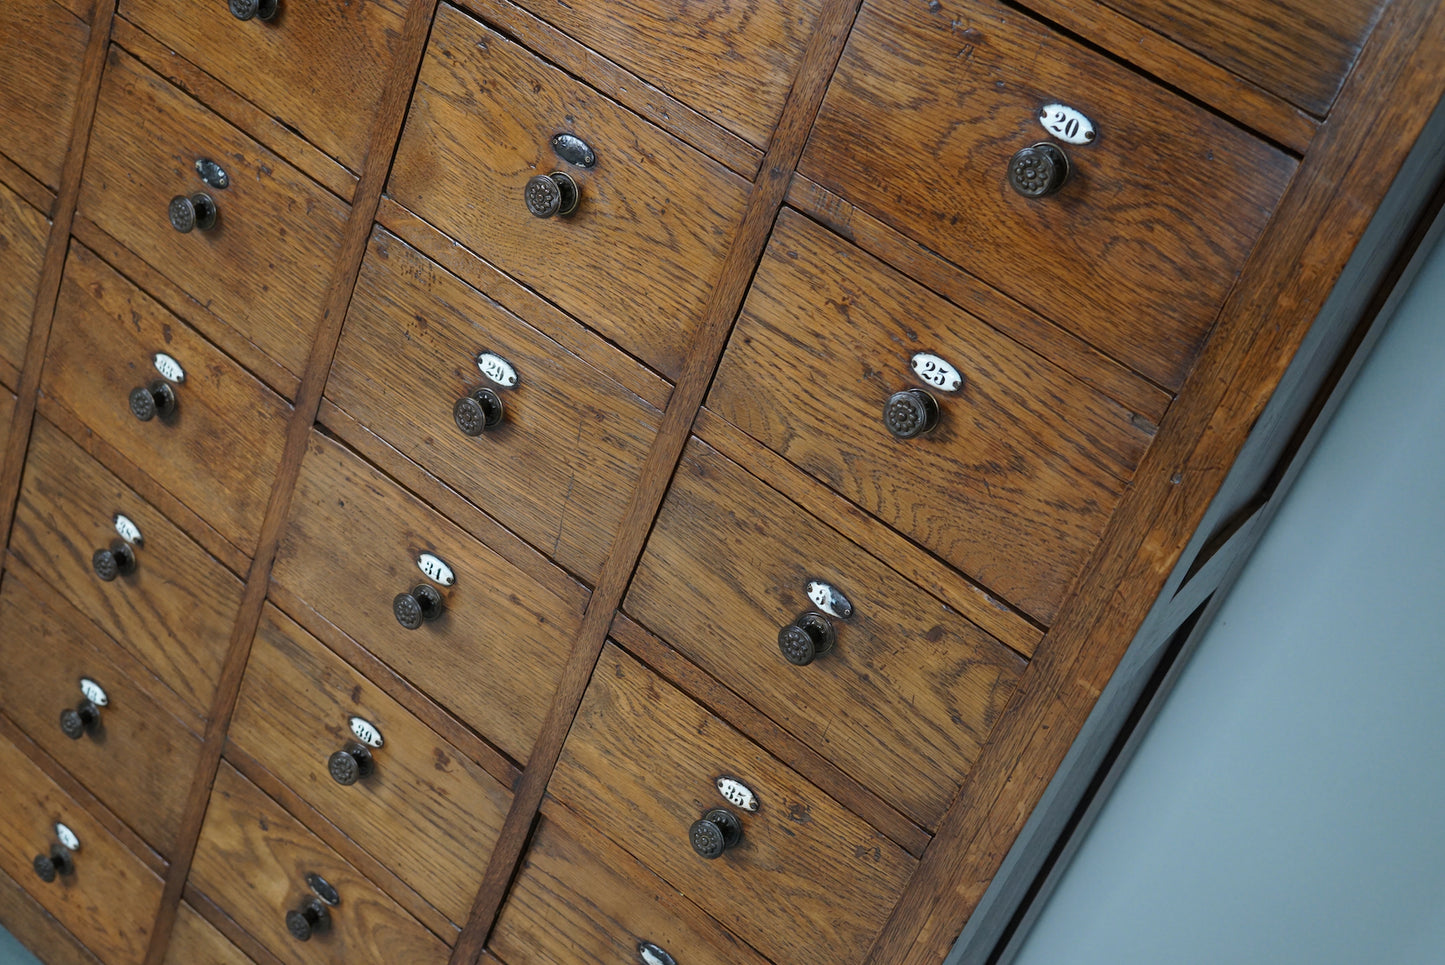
(23, 233)
(42, 45)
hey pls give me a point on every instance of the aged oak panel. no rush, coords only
(194, 941)
(23, 233)
(37, 929)
(41, 47)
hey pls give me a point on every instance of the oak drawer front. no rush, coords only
(908, 690)
(42, 45)
(415, 802)
(560, 465)
(638, 258)
(254, 860)
(101, 892)
(214, 439)
(28, 921)
(1025, 465)
(580, 898)
(1137, 250)
(318, 68)
(23, 233)
(264, 266)
(69, 688)
(808, 882)
(195, 941)
(175, 607)
(355, 543)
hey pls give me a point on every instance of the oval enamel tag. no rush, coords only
(498, 369)
(829, 600)
(366, 732)
(436, 570)
(737, 793)
(936, 372)
(93, 692)
(128, 531)
(650, 954)
(1066, 124)
(169, 368)
(67, 837)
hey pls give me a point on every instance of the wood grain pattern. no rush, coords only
(146, 738)
(909, 693)
(253, 859)
(559, 468)
(261, 269)
(217, 919)
(21, 182)
(1135, 254)
(37, 929)
(7, 412)
(317, 68)
(174, 611)
(808, 883)
(218, 451)
(1015, 484)
(23, 233)
(110, 899)
(194, 941)
(427, 812)
(645, 247)
(42, 46)
(495, 654)
(580, 898)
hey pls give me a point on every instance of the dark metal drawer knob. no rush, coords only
(478, 412)
(351, 764)
(552, 194)
(117, 560)
(312, 918)
(197, 211)
(82, 719)
(149, 401)
(910, 413)
(1038, 170)
(715, 832)
(247, 9)
(422, 605)
(57, 862)
(810, 635)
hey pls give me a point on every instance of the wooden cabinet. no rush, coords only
(636, 482)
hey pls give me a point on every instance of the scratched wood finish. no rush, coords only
(38, 930)
(132, 761)
(638, 258)
(1137, 251)
(23, 233)
(1015, 483)
(195, 941)
(911, 689)
(426, 812)
(253, 859)
(559, 468)
(580, 898)
(174, 611)
(263, 268)
(351, 545)
(808, 883)
(110, 899)
(42, 45)
(218, 451)
(318, 68)
(7, 412)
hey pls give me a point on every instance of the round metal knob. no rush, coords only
(311, 918)
(197, 211)
(117, 560)
(552, 194)
(247, 9)
(715, 832)
(149, 401)
(1038, 170)
(910, 413)
(82, 719)
(478, 412)
(57, 862)
(809, 636)
(422, 605)
(351, 764)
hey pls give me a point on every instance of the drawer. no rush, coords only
(102, 894)
(638, 258)
(35, 928)
(580, 898)
(808, 882)
(23, 233)
(257, 862)
(135, 750)
(1025, 465)
(424, 810)
(559, 467)
(195, 941)
(217, 448)
(356, 542)
(1137, 250)
(264, 267)
(42, 45)
(909, 691)
(174, 610)
(318, 68)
